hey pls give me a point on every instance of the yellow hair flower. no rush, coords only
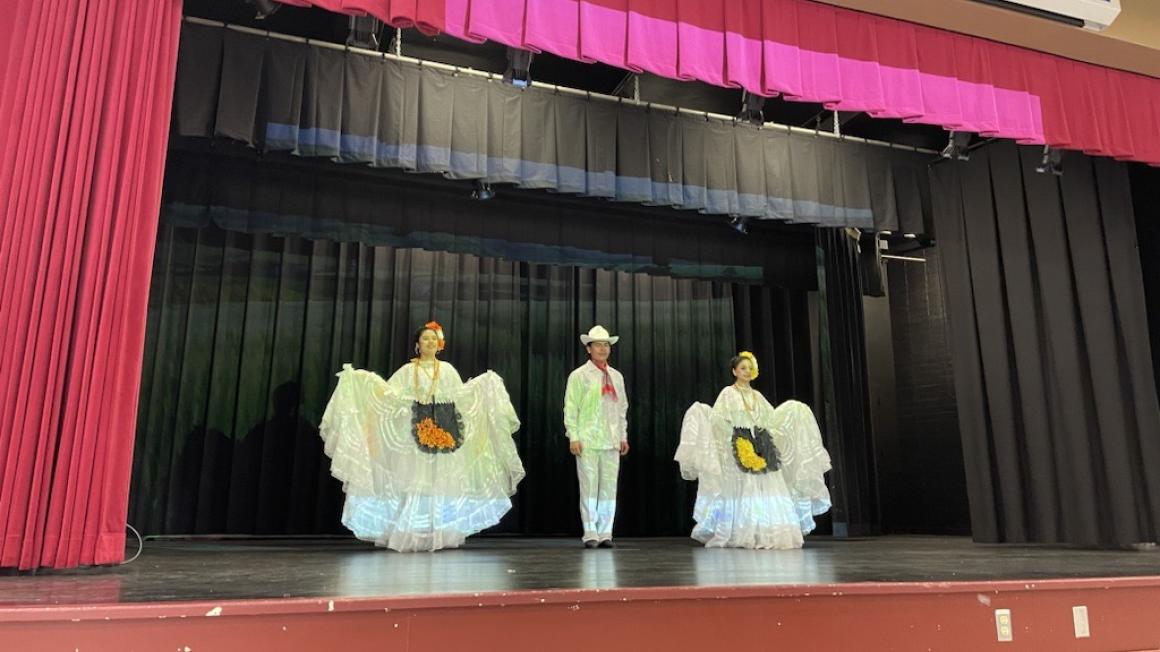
(752, 362)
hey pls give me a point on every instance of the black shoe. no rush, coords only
(605, 544)
(590, 544)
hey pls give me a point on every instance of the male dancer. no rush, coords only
(596, 422)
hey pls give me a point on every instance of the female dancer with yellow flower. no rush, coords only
(759, 468)
(426, 460)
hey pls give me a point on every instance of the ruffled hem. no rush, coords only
(414, 523)
(761, 522)
(786, 537)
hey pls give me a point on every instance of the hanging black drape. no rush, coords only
(282, 195)
(844, 411)
(246, 330)
(1145, 183)
(774, 324)
(316, 101)
(1053, 375)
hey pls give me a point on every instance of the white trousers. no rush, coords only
(597, 471)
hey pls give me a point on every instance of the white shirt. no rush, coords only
(590, 417)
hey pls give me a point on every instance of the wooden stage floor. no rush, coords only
(183, 570)
(886, 593)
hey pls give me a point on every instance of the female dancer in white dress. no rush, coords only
(759, 468)
(426, 460)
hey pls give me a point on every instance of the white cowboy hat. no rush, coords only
(598, 334)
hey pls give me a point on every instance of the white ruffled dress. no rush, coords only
(425, 459)
(760, 471)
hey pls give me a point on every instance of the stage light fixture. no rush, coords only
(263, 8)
(519, 68)
(957, 144)
(740, 224)
(364, 32)
(481, 190)
(1052, 161)
(752, 109)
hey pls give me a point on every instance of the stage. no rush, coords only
(888, 593)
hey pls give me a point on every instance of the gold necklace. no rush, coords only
(434, 380)
(748, 405)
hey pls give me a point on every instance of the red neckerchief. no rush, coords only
(607, 389)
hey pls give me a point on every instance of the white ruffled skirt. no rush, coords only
(738, 509)
(407, 498)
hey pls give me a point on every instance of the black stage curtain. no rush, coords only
(282, 195)
(845, 394)
(316, 101)
(255, 304)
(1145, 182)
(246, 331)
(1056, 394)
(774, 323)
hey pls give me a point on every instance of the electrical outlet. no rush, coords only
(1079, 617)
(1004, 631)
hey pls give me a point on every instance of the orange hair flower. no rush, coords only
(438, 330)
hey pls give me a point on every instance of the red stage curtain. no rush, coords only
(7, 24)
(815, 52)
(84, 123)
